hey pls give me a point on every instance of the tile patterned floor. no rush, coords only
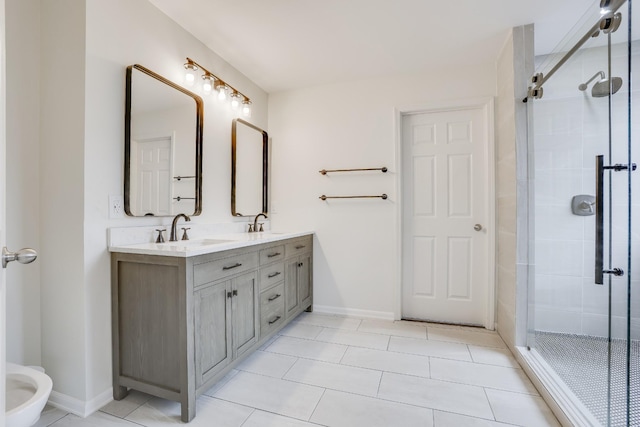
(344, 372)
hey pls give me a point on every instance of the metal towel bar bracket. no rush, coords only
(183, 198)
(326, 171)
(383, 197)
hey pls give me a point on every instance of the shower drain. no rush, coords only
(581, 362)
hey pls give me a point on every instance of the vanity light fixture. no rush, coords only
(207, 83)
(246, 108)
(211, 82)
(221, 89)
(190, 74)
(235, 100)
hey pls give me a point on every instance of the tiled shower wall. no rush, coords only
(569, 130)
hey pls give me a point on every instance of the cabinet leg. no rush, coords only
(119, 392)
(188, 407)
(309, 309)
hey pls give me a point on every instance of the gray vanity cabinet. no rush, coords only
(225, 323)
(298, 280)
(181, 323)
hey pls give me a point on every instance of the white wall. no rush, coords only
(84, 48)
(62, 188)
(514, 67)
(351, 125)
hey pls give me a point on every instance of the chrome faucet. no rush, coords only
(255, 222)
(174, 235)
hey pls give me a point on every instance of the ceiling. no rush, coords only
(291, 44)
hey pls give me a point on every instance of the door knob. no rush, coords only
(477, 227)
(23, 256)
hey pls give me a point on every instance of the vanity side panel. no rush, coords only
(149, 330)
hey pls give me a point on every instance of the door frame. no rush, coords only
(487, 105)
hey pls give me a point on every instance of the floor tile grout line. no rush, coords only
(317, 404)
(248, 416)
(259, 409)
(484, 390)
(130, 421)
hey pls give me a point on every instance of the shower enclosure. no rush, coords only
(584, 288)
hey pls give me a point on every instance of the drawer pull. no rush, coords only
(232, 266)
(273, 254)
(271, 322)
(300, 246)
(277, 273)
(275, 297)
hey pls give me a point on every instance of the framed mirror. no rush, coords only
(249, 169)
(162, 146)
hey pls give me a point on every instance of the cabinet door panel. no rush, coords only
(304, 281)
(245, 322)
(291, 287)
(213, 330)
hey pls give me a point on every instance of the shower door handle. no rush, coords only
(599, 280)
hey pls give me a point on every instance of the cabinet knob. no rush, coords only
(300, 264)
(235, 292)
(229, 294)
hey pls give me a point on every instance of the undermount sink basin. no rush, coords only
(197, 242)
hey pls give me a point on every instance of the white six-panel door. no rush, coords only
(445, 239)
(153, 174)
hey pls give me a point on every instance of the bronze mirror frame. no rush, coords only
(127, 137)
(234, 166)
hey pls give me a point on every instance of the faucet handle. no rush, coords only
(160, 238)
(260, 224)
(250, 228)
(184, 233)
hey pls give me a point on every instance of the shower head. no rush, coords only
(605, 87)
(583, 86)
(602, 87)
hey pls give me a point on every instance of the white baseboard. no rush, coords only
(353, 312)
(79, 407)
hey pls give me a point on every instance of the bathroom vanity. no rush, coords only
(185, 313)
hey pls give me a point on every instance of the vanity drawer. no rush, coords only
(224, 267)
(271, 275)
(273, 254)
(271, 309)
(271, 298)
(299, 246)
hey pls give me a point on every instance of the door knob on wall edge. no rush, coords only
(23, 256)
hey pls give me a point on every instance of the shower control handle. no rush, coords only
(599, 256)
(477, 227)
(23, 256)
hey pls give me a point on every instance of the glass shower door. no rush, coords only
(582, 325)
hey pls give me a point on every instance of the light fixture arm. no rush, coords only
(209, 73)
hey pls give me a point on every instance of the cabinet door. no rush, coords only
(291, 287)
(245, 313)
(213, 330)
(304, 281)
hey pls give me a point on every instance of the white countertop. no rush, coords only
(208, 244)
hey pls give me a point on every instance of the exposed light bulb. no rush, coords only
(222, 91)
(190, 73)
(246, 108)
(235, 100)
(207, 83)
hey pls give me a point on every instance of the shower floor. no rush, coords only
(581, 362)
